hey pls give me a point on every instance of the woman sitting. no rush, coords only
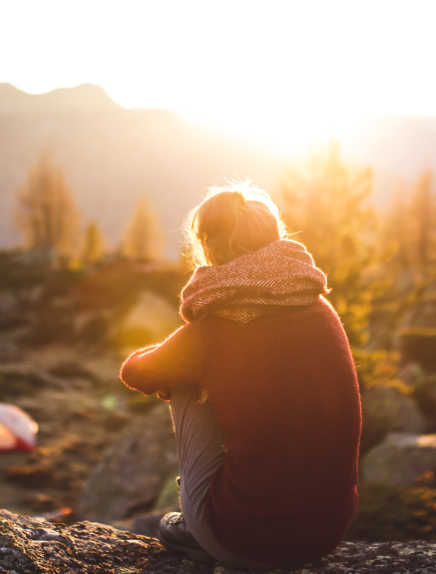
(268, 462)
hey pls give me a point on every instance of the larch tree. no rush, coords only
(47, 214)
(94, 244)
(395, 231)
(327, 206)
(143, 236)
(409, 227)
(423, 215)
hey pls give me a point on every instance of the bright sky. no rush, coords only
(282, 70)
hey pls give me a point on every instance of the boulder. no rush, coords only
(151, 319)
(402, 459)
(10, 309)
(385, 410)
(10, 352)
(94, 326)
(411, 374)
(128, 481)
(35, 546)
(32, 374)
(425, 396)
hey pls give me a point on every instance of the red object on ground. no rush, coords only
(285, 390)
(17, 430)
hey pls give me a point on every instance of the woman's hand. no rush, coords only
(164, 394)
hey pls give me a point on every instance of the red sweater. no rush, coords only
(285, 390)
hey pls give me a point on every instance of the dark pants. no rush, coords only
(200, 441)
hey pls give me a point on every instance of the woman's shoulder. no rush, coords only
(322, 311)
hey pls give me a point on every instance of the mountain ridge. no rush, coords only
(112, 156)
(82, 97)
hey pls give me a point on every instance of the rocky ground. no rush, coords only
(81, 408)
(107, 454)
(29, 546)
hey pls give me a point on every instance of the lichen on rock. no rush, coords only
(30, 546)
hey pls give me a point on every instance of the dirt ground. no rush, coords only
(80, 406)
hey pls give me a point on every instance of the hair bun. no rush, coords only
(232, 221)
(239, 197)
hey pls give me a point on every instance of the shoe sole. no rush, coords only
(196, 555)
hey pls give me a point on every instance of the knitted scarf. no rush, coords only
(282, 274)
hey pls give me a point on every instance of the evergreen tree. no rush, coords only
(47, 214)
(329, 204)
(395, 231)
(94, 244)
(409, 227)
(423, 212)
(143, 238)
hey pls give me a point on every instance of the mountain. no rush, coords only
(399, 148)
(84, 97)
(113, 156)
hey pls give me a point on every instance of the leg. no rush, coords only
(201, 452)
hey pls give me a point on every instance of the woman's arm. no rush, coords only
(177, 361)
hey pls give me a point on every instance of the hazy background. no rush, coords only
(115, 118)
(166, 99)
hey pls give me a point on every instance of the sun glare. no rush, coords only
(284, 72)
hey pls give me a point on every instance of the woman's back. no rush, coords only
(285, 391)
(273, 357)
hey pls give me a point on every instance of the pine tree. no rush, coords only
(329, 204)
(423, 213)
(409, 227)
(47, 214)
(94, 244)
(395, 232)
(143, 238)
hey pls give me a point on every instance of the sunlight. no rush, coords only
(286, 73)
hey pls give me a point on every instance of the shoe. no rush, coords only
(175, 536)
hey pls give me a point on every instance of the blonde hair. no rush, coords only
(233, 220)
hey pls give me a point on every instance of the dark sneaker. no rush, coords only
(174, 536)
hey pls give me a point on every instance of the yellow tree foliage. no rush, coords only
(395, 231)
(47, 214)
(423, 213)
(94, 244)
(328, 203)
(143, 237)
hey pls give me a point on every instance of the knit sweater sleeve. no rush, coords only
(176, 361)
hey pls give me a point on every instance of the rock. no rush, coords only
(148, 525)
(10, 309)
(411, 374)
(34, 546)
(10, 352)
(385, 410)
(425, 396)
(152, 318)
(93, 327)
(400, 460)
(33, 374)
(73, 369)
(128, 481)
(386, 513)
